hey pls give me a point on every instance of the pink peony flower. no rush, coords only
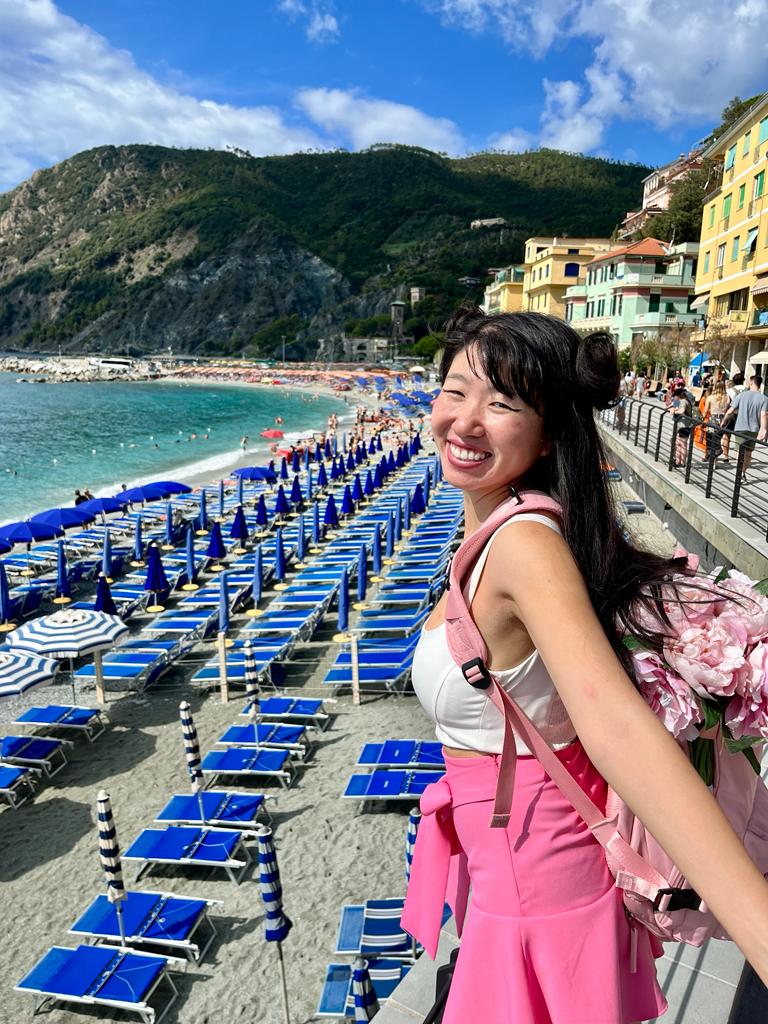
(747, 713)
(708, 657)
(669, 696)
(748, 613)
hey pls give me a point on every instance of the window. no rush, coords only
(590, 310)
(735, 249)
(712, 215)
(613, 305)
(571, 270)
(620, 305)
(569, 311)
(600, 307)
(730, 157)
(669, 307)
(721, 254)
(706, 262)
(721, 306)
(540, 248)
(763, 131)
(757, 188)
(745, 149)
(546, 271)
(727, 206)
(739, 299)
(749, 241)
(573, 252)
(611, 271)
(742, 192)
(660, 268)
(653, 303)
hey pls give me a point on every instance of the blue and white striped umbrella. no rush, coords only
(19, 672)
(278, 924)
(109, 854)
(366, 1003)
(191, 746)
(69, 633)
(252, 688)
(414, 820)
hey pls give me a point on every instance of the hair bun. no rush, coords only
(597, 370)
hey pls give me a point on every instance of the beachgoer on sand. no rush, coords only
(546, 939)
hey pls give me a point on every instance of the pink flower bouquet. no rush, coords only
(713, 671)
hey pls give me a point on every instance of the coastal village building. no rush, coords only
(732, 278)
(505, 292)
(657, 193)
(365, 350)
(552, 265)
(636, 292)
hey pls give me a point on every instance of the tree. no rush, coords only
(735, 109)
(681, 221)
(427, 346)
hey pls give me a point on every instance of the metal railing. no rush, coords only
(704, 455)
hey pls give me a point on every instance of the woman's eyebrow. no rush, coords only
(458, 377)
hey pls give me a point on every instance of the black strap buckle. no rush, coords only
(476, 673)
(680, 899)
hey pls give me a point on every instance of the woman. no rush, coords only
(700, 432)
(681, 406)
(546, 939)
(714, 411)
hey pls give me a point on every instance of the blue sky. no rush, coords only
(608, 77)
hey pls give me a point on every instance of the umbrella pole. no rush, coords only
(72, 679)
(355, 669)
(283, 981)
(201, 806)
(120, 923)
(98, 672)
(221, 643)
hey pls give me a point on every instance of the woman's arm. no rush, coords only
(624, 739)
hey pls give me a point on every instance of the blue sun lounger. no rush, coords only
(101, 976)
(373, 929)
(337, 1000)
(17, 783)
(67, 717)
(185, 846)
(414, 754)
(389, 784)
(46, 754)
(403, 623)
(150, 919)
(390, 677)
(250, 762)
(269, 736)
(309, 711)
(244, 811)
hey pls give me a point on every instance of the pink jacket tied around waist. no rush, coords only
(439, 870)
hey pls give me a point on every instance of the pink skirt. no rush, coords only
(546, 939)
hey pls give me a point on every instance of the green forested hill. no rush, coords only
(143, 246)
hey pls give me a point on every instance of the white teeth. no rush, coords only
(465, 455)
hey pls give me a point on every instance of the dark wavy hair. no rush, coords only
(544, 362)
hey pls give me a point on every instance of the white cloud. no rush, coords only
(663, 62)
(321, 24)
(63, 89)
(363, 122)
(517, 140)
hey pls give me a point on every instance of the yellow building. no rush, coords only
(732, 275)
(554, 264)
(505, 292)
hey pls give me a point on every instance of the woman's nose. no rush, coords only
(468, 419)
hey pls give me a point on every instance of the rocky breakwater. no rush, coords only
(68, 370)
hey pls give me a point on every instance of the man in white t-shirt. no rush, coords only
(751, 411)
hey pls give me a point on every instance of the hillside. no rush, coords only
(137, 248)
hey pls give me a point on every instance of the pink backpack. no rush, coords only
(655, 893)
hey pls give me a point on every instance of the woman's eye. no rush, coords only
(450, 391)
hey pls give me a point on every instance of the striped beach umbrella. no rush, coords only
(106, 556)
(20, 672)
(366, 1003)
(63, 588)
(252, 687)
(278, 925)
(103, 601)
(223, 603)
(256, 585)
(343, 623)
(109, 855)
(192, 753)
(414, 820)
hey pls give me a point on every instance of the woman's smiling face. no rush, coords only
(487, 440)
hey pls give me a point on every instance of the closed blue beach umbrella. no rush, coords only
(414, 819)
(398, 522)
(376, 551)
(379, 445)
(307, 457)
(343, 441)
(318, 452)
(334, 470)
(106, 556)
(283, 469)
(256, 585)
(279, 555)
(357, 489)
(331, 517)
(239, 528)
(344, 603)
(261, 511)
(252, 687)
(297, 498)
(310, 483)
(277, 923)
(391, 465)
(239, 490)
(156, 581)
(63, 587)
(378, 476)
(427, 485)
(389, 546)
(418, 505)
(138, 546)
(372, 447)
(405, 511)
(359, 454)
(5, 597)
(341, 467)
(221, 497)
(366, 1003)
(109, 855)
(216, 547)
(368, 487)
(350, 462)
(328, 450)
(223, 603)
(189, 559)
(322, 477)
(169, 524)
(192, 754)
(301, 540)
(295, 462)
(400, 457)
(362, 572)
(334, 445)
(347, 507)
(315, 523)
(104, 602)
(202, 516)
(282, 506)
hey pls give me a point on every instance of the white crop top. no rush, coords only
(464, 716)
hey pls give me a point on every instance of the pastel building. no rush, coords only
(732, 278)
(504, 294)
(637, 291)
(551, 266)
(657, 193)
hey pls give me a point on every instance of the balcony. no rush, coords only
(659, 319)
(724, 223)
(758, 322)
(719, 273)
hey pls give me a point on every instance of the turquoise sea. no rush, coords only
(58, 437)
